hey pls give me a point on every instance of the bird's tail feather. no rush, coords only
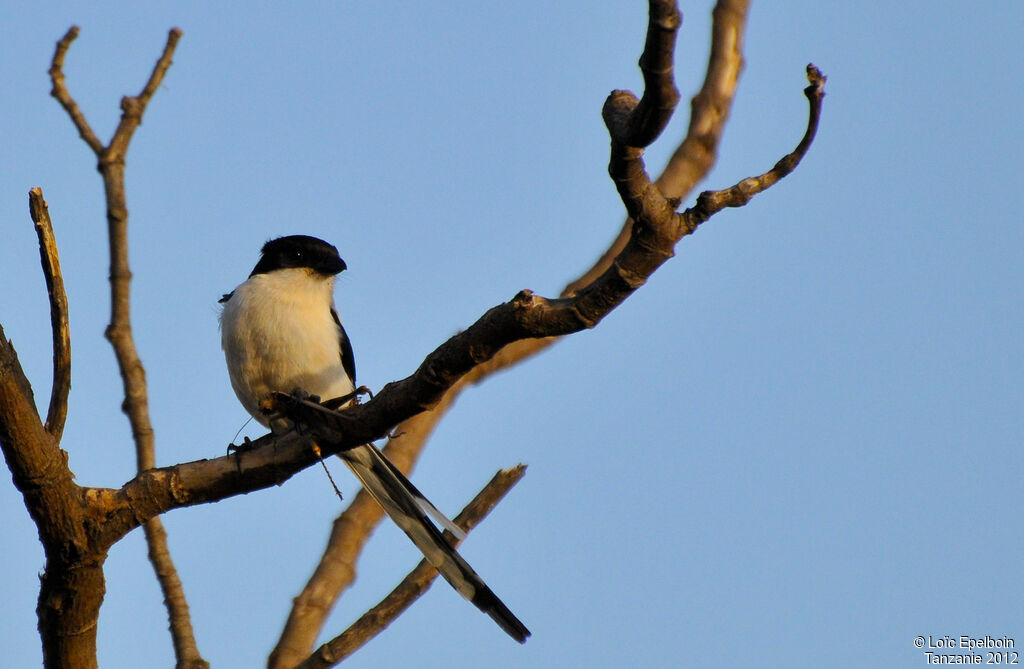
(408, 508)
(421, 499)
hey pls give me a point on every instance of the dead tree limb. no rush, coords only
(58, 410)
(690, 163)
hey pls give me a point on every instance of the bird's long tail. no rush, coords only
(408, 508)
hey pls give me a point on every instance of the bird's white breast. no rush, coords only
(278, 335)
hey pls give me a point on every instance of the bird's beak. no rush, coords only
(332, 266)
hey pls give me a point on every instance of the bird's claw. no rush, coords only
(243, 447)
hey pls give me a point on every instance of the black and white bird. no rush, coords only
(280, 332)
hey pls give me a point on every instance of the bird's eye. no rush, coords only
(297, 255)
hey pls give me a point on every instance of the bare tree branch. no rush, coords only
(689, 164)
(711, 202)
(119, 332)
(132, 109)
(60, 91)
(417, 582)
(696, 154)
(58, 410)
(186, 651)
(660, 94)
(657, 227)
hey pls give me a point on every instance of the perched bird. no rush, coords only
(280, 332)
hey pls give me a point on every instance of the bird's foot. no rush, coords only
(340, 402)
(243, 447)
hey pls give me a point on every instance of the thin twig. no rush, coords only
(710, 203)
(417, 582)
(58, 410)
(182, 636)
(132, 108)
(60, 92)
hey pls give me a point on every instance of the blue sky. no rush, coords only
(799, 445)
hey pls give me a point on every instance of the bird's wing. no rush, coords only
(348, 360)
(405, 505)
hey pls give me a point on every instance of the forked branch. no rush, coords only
(111, 163)
(60, 92)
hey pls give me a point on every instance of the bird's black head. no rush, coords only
(299, 251)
